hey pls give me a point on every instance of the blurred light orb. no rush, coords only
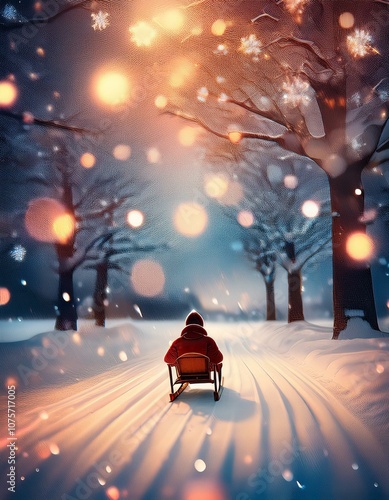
(113, 88)
(218, 27)
(135, 218)
(40, 217)
(358, 191)
(181, 71)
(235, 136)
(147, 278)
(88, 160)
(291, 181)
(171, 20)
(287, 475)
(200, 465)
(63, 227)
(66, 297)
(123, 356)
(187, 135)
(8, 93)
(359, 246)
(346, 20)
(54, 449)
(122, 152)
(153, 155)
(160, 101)
(204, 489)
(216, 185)
(190, 219)
(112, 493)
(142, 34)
(5, 296)
(245, 218)
(310, 209)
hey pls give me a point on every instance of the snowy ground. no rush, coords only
(301, 416)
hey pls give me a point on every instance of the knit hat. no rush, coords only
(194, 318)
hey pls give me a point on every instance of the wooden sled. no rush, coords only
(194, 368)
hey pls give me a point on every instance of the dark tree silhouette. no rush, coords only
(310, 77)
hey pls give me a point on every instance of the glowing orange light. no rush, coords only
(122, 152)
(216, 185)
(171, 20)
(40, 217)
(113, 88)
(142, 34)
(160, 101)
(42, 450)
(218, 27)
(88, 160)
(187, 135)
(245, 218)
(190, 219)
(148, 278)
(235, 136)
(112, 493)
(135, 218)
(359, 246)
(8, 93)
(182, 70)
(63, 227)
(5, 296)
(346, 20)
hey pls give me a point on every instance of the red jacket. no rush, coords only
(193, 338)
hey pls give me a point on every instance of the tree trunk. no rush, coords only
(295, 300)
(100, 293)
(67, 313)
(270, 301)
(352, 282)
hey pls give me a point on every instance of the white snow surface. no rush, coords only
(301, 415)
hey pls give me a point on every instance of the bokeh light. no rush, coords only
(112, 493)
(135, 218)
(88, 160)
(112, 88)
(142, 34)
(153, 155)
(160, 101)
(235, 136)
(360, 246)
(190, 219)
(310, 209)
(147, 278)
(216, 185)
(200, 465)
(187, 135)
(171, 20)
(346, 20)
(218, 27)
(182, 70)
(122, 152)
(63, 227)
(5, 296)
(54, 449)
(245, 218)
(8, 93)
(291, 181)
(204, 489)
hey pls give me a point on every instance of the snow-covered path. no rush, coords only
(279, 432)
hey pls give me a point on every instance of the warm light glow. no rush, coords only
(171, 20)
(187, 135)
(63, 227)
(142, 34)
(245, 218)
(5, 296)
(218, 27)
(148, 278)
(310, 209)
(153, 155)
(135, 218)
(359, 43)
(40, 217)
(190, 219)
(216, 185)
(66, 297)
(112, 493)
(160, 101)
(8, 93)
(205, 489)
(88, 160)
(182, 70)
(358, 191)
(123, 356)
(360, 246)
(113, 88)
(54, 449)
(235, 136)
(346, 20)
(200, 465)
(290, 181)
(121, 152)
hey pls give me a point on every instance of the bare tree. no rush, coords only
(311, 78)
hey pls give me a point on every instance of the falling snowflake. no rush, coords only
(296, 92)
(250, 45)
(221, 50)
(18, 253)
(142, 34)
(222, 97)
(100, 20)
(359, 43)
(9, 12)
(202, 94)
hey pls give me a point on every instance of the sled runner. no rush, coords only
(195, 368)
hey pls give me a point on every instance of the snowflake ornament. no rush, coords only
(296, 92)
(9, 12)
(359, 43)
(100, 20)
(250, 45)
(18, 253)
(221, 50)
